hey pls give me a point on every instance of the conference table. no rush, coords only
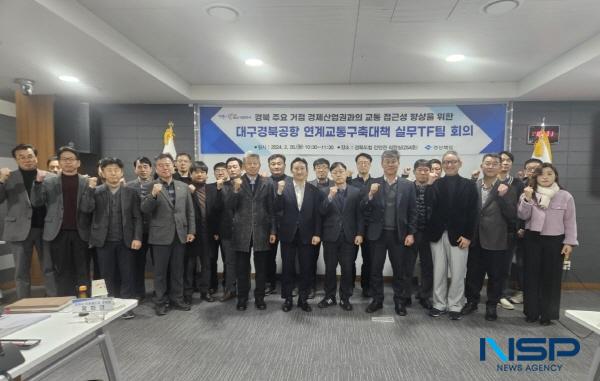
(65, 335)
(591, 321)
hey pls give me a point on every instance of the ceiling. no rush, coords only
(334, 51)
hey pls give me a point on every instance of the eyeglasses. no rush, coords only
(490, 165)
(68, 159)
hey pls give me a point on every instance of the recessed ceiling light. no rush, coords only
(254, 62)
(68, 78)
(455, 58)
(223, 12)
(500, 7)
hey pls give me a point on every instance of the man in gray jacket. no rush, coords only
(172, 225)
(23, 223)
(116, 229)
(497, 211)
(66, 226)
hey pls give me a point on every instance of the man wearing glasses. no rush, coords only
(452, 200)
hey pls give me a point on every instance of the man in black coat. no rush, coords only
(452, 200)
(297, 204)
(254, 229)
(343, 231)
(392, 222)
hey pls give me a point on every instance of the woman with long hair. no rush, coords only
(551, 232)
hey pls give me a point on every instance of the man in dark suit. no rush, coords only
(297, 204)
(343, 231)
(66, 226)
(183, 165)
(220, 173)
(254, 229)
(391, 209)
(363, 181)
(172, 225)
(452, 200)
(497, 214)
(23, 223)
(277, 169)
(117, 228)
(208, 203)
(143, 170)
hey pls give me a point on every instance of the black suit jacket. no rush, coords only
(406, 209)
(307, 220)
(214, 206)
(350, 218)
(458, 217)
(131, 216)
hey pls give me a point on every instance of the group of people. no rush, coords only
(461, 229)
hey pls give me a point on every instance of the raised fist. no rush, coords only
(528, 192)
(280, 186)
(192, 188)
(92, 182)
(475, 174)
(4, 174)
(374, 189)
(237, 184)
(219, 184)
(41, 175)
(332, 192)
(156, 189)
(502, 189)
(406, 171)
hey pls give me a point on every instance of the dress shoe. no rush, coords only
(128, 315)
(212, 291)
(468, 308)
(426, 303)
(455, 315)
(303, 304)
(260, 304)
(374, 306)
(271, 290)
(242, 305)
(545, 322)
(312, 294)
(161, 309)
(181, 306)
(434, 312)
(530, 319)
(504, 303)
(187, 299)
(207, 297)
(517, 298)
(345, 304)
(228, 295)
(490, 313)
(400, 309)
(326, 302)
(287, 305)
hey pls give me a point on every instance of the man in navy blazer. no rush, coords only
(297, 203)
(390, 206)
(343, 231)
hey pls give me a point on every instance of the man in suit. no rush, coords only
(322, 182)
(117, 228)
(391, 209)
(172, 225)
(23, 223)
(208, 203)
(53, 165)
(343, 231)
(254, 229)
(421, 248)
(277, 169)
(297, 204)
(183, 164)
(220, 173)
(363, 181)
(143, 169)
(452, 200)
(66, 226)
(497, 213)
(225, 229)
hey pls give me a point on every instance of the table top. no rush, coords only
(60, 331)
(588, 319)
